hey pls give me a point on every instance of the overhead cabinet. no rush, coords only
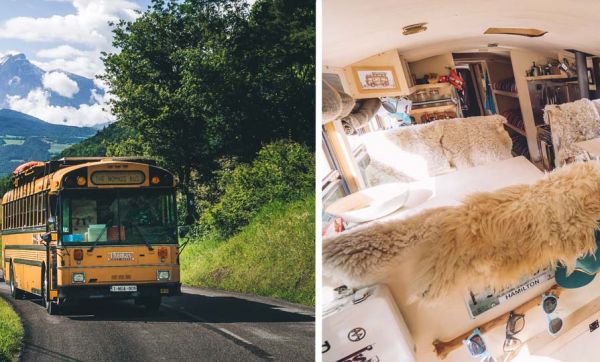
(385, 74)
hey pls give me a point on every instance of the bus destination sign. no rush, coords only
(118, 177)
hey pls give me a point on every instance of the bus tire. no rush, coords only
(152, 303)
(14, 291)
(51, 307)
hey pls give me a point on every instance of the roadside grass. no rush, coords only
(273, 256)
(11, 332)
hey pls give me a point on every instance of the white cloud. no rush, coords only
(63, 51)
(87, 66)
(82, 36)
(89, 24)
(60, 83)
(37, 104)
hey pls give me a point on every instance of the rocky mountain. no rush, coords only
(25, 138)
(18, 76)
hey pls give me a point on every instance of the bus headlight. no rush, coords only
(163, 275)
(78, 277)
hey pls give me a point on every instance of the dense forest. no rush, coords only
(222, 94)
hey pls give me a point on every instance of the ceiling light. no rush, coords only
(414, 28)
(532, 33)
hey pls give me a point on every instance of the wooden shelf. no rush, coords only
(504, 93)
(552, 76)
(447, 107)
(417, 87)
(434, 101)
(516, 129)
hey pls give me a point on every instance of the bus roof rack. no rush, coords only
(79, 160)
(45, 168)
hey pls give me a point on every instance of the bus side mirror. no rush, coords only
(183, 231)
(52, 223)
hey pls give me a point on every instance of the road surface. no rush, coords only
(201, 325)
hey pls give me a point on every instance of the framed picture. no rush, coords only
(375, 79)
(590, 76)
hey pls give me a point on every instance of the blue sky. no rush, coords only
(66, 34)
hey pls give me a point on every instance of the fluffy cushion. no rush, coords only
(475, 141)
(408, 153)
(491, 240)
(571, 123)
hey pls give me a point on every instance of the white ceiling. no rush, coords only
(356, 29)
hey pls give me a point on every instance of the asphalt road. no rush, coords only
(200, 325)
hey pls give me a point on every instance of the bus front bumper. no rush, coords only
(104, 291)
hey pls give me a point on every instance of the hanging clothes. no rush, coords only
(490, 106)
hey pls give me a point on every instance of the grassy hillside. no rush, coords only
(96, 145)
(13, 123)
(11, 332)
(272, 256)
(25, 138)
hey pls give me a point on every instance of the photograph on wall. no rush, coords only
(376, 78)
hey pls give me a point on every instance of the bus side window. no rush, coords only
(52, 211)
(66, 216)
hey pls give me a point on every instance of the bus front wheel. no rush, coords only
(14, 291)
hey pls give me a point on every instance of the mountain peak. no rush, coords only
(18, 77)
(18, 56)
(13, 57)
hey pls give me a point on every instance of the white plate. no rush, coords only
(370, 204)
(123, 288)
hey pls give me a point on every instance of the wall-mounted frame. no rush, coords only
(375, 79)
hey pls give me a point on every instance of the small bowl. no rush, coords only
(370, 204)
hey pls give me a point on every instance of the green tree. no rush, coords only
(4, 185)
(148, 75)
(270, 84)
(282, 171)
(199, 80)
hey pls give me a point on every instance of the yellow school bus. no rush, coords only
(86, 228)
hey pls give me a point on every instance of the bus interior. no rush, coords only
(460, 180)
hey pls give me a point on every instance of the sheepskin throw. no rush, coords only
(475, 141)
(571, 123)
(596, 103)
(414, 152)
(491, 240)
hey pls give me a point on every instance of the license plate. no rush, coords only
(123, 288)
(120, 256)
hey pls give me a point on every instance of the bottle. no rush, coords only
(534, 70)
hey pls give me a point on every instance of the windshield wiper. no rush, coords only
(142, 235)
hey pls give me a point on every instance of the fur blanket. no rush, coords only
(491, 240)
(571, 123)
(413, 153)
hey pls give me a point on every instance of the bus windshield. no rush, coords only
(118, 217)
